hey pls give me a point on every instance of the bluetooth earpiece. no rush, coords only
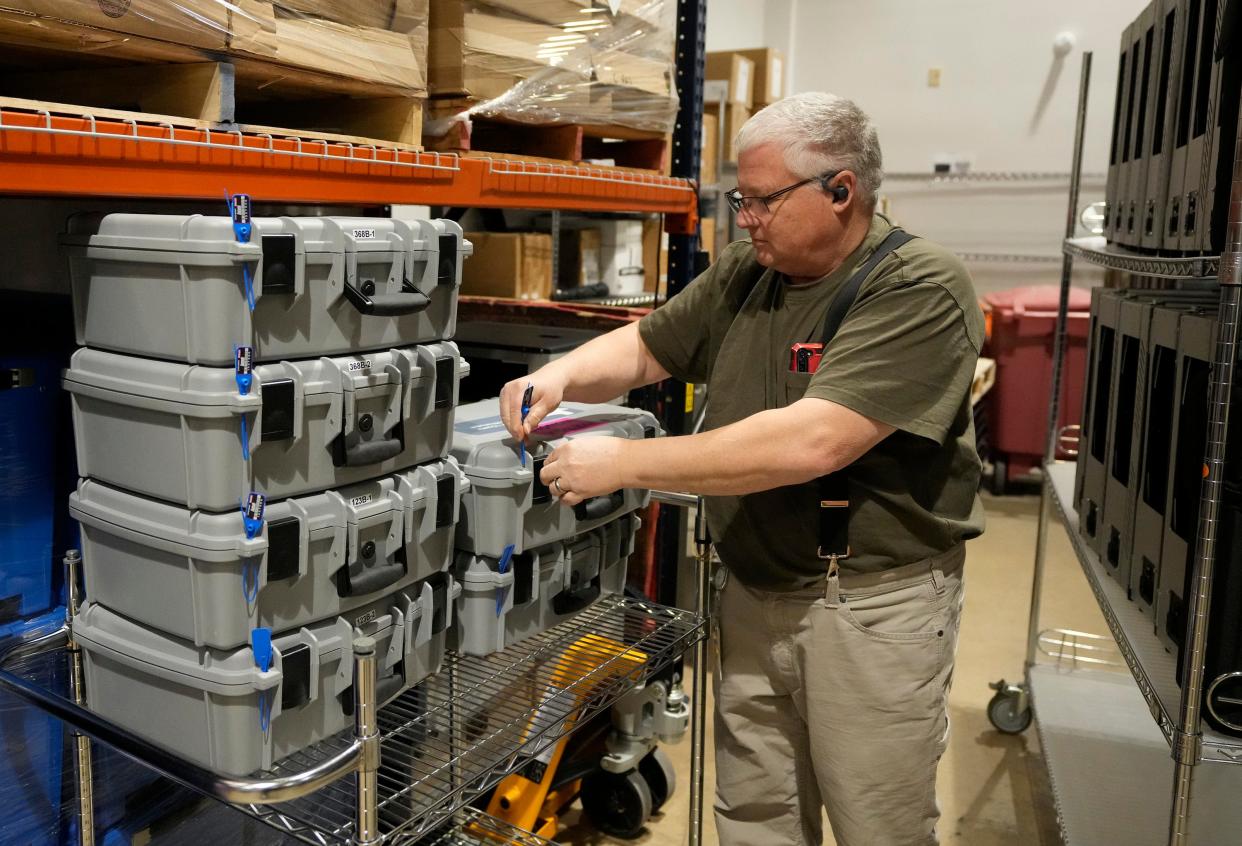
(839, 193)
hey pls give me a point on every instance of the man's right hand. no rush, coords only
(549, 390)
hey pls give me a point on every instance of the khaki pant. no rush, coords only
(836, 697)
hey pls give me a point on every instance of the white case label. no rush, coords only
(365, 499)
(366, 618)
(364, 364)
(364, 235)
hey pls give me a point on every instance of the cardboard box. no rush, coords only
(371, 55)
(517, 265)
(612, 67)
(621, 256)
(320, 45)
(560, 12)
(735, 69)
(769, 82)
(709, 150)
(579, 258)
(197, 23)
(475, 54)
(735, 117)
(194, 23)
(655, 257)
(707, 237)
(377, 14)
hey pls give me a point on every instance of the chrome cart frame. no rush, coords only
(407, 772)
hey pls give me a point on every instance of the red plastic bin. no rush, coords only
(1023, 332)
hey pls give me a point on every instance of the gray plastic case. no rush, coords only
(541, 587)
(197, 576)
(204, 704)
(174, 431)
(172, 286)
(507, 503)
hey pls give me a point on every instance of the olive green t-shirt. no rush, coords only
(904, 355)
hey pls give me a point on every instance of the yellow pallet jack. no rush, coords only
(612, 762)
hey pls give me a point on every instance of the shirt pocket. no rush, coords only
(795, 385)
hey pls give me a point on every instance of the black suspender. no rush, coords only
(834, 489)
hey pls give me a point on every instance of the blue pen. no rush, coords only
(526, 398)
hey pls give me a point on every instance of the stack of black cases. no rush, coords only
(1141, 468)
(1175, 119)
(263, 419)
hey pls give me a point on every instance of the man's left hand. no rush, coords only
(583, 468)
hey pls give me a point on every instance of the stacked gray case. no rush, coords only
(198, 576)
(540, 587)
(263, 414)
(175, 431)
(174, 286)
(507, 504)
(220, 710)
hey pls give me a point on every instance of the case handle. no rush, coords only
(369, 579)
(385, 305)
(576, 597)
(598, 507)
(371, 452)
(385, 689)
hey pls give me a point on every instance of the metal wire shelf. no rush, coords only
(453, 737)
(470, 827)
(988, 176)
(1149, 663)
(1096, 250)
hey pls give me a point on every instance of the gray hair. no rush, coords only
(819, 133)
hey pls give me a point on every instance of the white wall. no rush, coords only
(1005, 103)
(1004, 97)
(736, 24)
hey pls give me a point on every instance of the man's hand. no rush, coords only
(549, 390)
(583, 468)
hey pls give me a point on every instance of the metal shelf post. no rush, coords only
(1058, 355)
(1177, 710)
(1187, 742)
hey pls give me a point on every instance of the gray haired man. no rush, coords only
(839, 469)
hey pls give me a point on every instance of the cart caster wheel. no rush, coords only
(617, 805)
(657, 770)
(999, 480)
(1004, 714)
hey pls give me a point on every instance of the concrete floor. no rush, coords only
(992, 788)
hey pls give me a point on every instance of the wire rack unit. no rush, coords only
(441, 744)
(1176, 710)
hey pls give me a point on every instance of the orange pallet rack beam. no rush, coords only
(46, 154)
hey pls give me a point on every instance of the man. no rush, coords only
(836, 640)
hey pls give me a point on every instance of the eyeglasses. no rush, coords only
(759, 205)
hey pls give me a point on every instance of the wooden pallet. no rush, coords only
(245, 94)
(572, 142)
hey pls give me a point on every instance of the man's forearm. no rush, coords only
(608, 366)
(767, 450)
